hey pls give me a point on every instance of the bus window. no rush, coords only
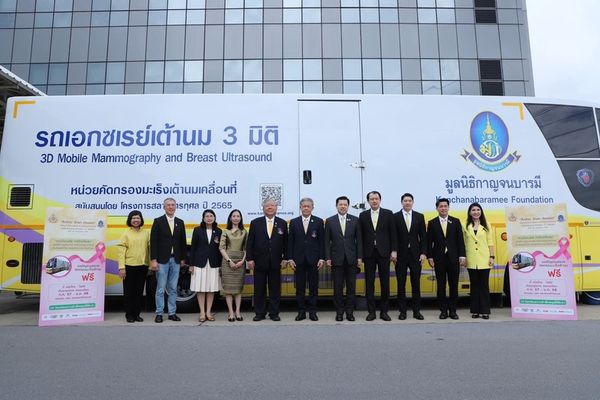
(582, 178)
(569, 130)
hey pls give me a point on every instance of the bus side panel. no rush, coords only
(589, 238)
(501, 253)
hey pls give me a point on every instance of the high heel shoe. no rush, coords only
(240, 318)
(231, 318)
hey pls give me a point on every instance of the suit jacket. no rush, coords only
(204, 250)
(309, 246)
(478, 247)
(338, 246)
(163, 243)
(453, 240)
(265, 251)
(411, 243)
(385, 234)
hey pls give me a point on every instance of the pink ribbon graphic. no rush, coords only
(563, 250)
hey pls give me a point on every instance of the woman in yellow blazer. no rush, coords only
(134, 251)
(480, 258)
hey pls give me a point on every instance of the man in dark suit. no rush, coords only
(343, 252)
(168, 249)
(306, 249)
(412, 250)
(446, 253)
(379, 245)
(266, 250)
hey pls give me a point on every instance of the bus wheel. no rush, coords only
(186, 299)
(496, 299)
(591, 298)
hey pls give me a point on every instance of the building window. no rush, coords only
(490, 73)
(485, 12)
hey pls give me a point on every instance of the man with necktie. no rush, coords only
(412, 250)
(306, 249)
(379, 245)
(446, 253)
(266, 251)
(168, 250)
(343, 252)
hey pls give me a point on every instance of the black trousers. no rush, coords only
(269, 275)
(447, 270)
(480, 290)
(402, 268)
(344, 274)
(381, 264)
(304, 272)
(133, 289)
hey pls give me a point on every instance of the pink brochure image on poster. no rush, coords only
(73, 272)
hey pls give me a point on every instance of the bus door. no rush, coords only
(589, 236)
(330, 159)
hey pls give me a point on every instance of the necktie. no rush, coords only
(305, 223)
(374, 217)
(444, 226)
(408, 221)
(269, 227)
(171, 224)
(343, 225)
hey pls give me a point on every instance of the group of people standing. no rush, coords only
(377, 238)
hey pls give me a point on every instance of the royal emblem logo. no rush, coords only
(585, 177)
(490, 142)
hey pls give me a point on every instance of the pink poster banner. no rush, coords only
(541, 273)
(73, 273)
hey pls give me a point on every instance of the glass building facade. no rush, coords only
(78, 47)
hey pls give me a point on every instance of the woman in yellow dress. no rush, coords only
(480, 259)
(233, 268)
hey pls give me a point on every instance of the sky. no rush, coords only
(565, 48)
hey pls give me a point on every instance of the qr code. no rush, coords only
(273, 191)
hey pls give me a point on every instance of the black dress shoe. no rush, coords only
(158, 319)
(384, 316)
(275, 317)
(485, 316)
(453, 315)
(339, 317)
(139, 319)
(402, 316)
(130, 319)
(300, 316)
(350, 317)
(258, 318)
(174, 317)
(443, 315)
(371, 316)
(474, 315)
(418, 315)
(313, 317)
